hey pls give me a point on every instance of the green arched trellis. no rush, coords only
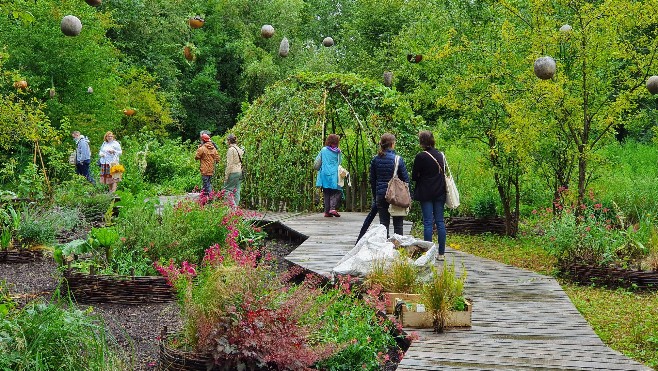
(285, 128)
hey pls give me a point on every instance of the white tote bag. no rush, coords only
(452, 194)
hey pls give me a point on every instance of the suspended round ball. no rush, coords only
(196, 22)
(388, 78)
(284, 47)
(20, 85)
(652, 84)
(328, 41)
(51, 92)
(566, 28)
(267, 31)
(545, 67)
(71, 25)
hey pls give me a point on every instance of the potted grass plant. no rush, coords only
(443, 297)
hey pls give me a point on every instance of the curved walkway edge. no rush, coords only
(521, 320)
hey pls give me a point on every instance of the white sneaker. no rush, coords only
(440, 257)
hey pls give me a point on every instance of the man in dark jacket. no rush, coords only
(82, 156)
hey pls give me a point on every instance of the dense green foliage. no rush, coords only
(51, 337)
(285, 129)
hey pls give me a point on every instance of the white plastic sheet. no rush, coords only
(374, 247)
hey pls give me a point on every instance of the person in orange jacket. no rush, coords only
(207, 156)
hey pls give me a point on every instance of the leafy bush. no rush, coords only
(236, 309)
(41, 227)
(161, 165)
(363, 337)
(484, 205)
(48, 337)
(594, 234)
(93, 201)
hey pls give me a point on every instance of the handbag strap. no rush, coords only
(238, 152)
(436, 162)
(445, 163)
(395, 170)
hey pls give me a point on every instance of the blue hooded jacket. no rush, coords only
(82, 152)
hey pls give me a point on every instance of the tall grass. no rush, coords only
(49, 337)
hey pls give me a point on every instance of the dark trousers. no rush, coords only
(82, 168)
(385, 217)
(369, 218)
(331, 199)
(207, 185)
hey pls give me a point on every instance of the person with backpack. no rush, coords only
(233, 173)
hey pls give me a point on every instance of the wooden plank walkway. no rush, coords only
(521, 320)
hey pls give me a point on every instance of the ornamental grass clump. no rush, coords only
(400, 275)
(443, 293)
(50, 337)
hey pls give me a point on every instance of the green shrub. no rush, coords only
(484, 205)
(93, 201)
(41, 226)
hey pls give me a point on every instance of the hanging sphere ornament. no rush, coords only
(388, 78)
(545, 67)
(328, 41)
(90, 90)
(267, 31)
(52, 92)
(20, 85)
(196, 22)
(652, 84)
(71, 25)
(284, 47)
(565, 28)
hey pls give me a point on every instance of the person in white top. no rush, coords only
(109, 155)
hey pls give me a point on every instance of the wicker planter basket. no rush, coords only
(171, 359)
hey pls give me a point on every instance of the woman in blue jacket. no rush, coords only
(328, 175)
(381, 171)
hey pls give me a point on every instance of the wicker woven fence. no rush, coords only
(131, 290)
(611, 276)
(20, 256)
(470, 225)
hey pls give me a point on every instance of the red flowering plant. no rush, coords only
(238, 311)
(591, 233)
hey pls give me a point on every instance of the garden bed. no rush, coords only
(611, 276)
(130, 290)
(471, 225)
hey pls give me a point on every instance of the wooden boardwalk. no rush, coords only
(521, 320)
